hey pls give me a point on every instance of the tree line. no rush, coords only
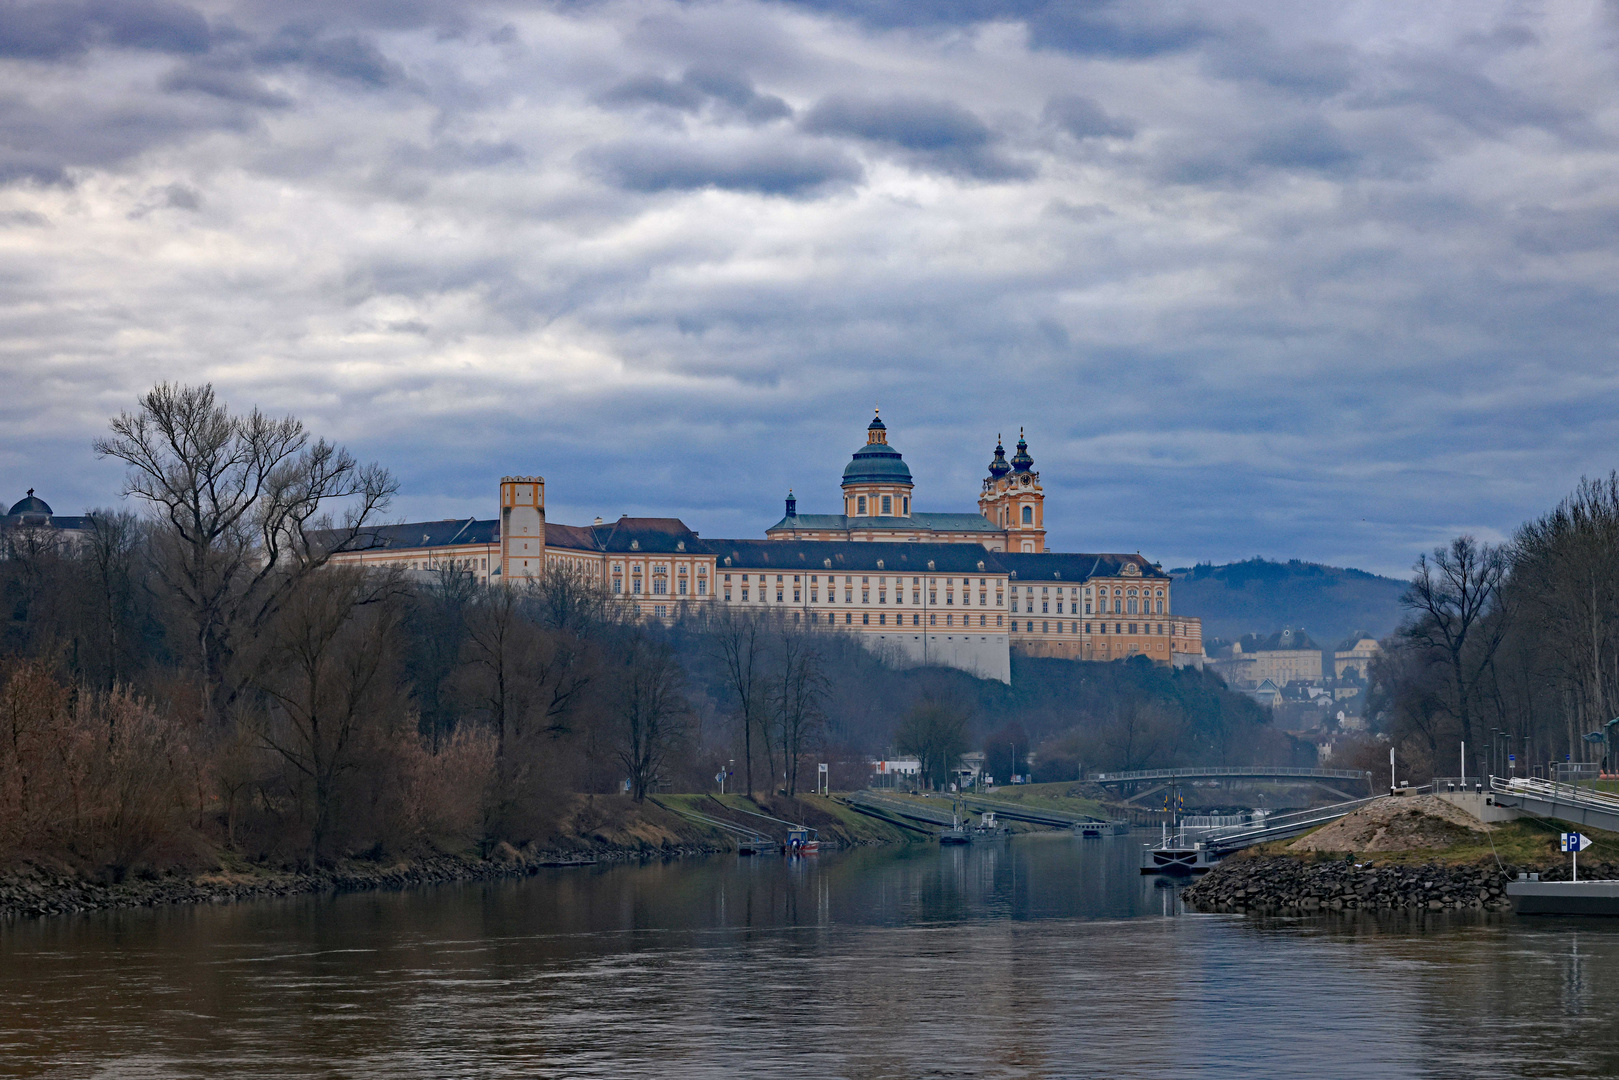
(200, 671)
(1510, 648)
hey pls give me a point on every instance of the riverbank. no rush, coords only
(592, 830)
(1413, 853)
(1287, 883)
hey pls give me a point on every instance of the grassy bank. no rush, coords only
(1067, 798)
(1528, 842)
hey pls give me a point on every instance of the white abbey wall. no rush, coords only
(984, 654)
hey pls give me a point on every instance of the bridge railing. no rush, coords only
(1550, 789)
(1215, 771)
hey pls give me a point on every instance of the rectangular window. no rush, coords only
(882, 619)
(933, 620)
(744, 594)
(682, 586)
(916, 620)
(866, 618)
(848, 617)
(888, 504)
(861, 509)
(1000, 620)
(702, 586)
(815, 595)
(982, 619)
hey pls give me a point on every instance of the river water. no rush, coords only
(1045, 957)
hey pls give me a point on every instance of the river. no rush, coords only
(1044, 957)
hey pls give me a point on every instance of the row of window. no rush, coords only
(887, 505)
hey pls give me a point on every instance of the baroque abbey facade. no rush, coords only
(957, 589)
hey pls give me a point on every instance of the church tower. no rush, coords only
(1013, 500)
(522, 529)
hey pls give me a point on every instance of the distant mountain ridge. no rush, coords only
(1258, 596)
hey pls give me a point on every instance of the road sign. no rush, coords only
(1512, 757)
(1573, 841)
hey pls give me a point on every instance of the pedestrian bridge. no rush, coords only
(1565, 802)
(1151, 781)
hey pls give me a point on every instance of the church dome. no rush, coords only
(1021, 461)
(31, 505)
(876, 462)
(998, 466)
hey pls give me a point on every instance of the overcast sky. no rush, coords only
(1326, 281)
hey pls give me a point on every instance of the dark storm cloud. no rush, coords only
(1085, 119)
(935, 134)
(348, 57)
(695, 89)
(766, 169)
(1259, 271)
(51, 31)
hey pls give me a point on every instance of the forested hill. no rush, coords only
(1260, 596)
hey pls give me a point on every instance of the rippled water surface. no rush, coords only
(1046, 957)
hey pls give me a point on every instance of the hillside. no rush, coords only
(1259, 596)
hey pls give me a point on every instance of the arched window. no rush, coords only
(1028, 515)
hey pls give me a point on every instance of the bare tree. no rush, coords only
(800, 691)
(244, 503)
(1454, 594)
(740, 641)
(329, 679)
(653, 714)
(113, 541)
(935, 732)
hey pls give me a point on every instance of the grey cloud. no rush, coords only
(774, 169)
(1310, 69)
(695, 89)
(1464, 95)
(50, 31)
(1084, 119)
(227, 83)
(936, 134)
(1112, 28)
(348, 58)
(179, 196)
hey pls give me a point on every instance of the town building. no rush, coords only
(956, 589)
(1353, 658)
(33, 516)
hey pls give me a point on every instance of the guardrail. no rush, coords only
(1231, 770)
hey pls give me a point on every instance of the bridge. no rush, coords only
(1157, 780)
(1565, 802)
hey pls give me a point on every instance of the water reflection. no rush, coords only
(1044, 957)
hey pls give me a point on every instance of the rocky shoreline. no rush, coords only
(37, 890)
(1282, 883)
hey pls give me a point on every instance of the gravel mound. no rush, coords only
(1396, 823)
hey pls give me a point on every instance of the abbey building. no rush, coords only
(958, 589)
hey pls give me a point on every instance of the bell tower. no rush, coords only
(1013, 499)
(522, 529)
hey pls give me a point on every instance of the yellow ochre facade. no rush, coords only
(958, 589)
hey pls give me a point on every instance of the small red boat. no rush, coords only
(801, 841)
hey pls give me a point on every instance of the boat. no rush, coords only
(1177, 859)
(957, 833)
(988, 828)
(801, 840)
(1090, 829)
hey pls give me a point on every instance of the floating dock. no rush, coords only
(1564, 897)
